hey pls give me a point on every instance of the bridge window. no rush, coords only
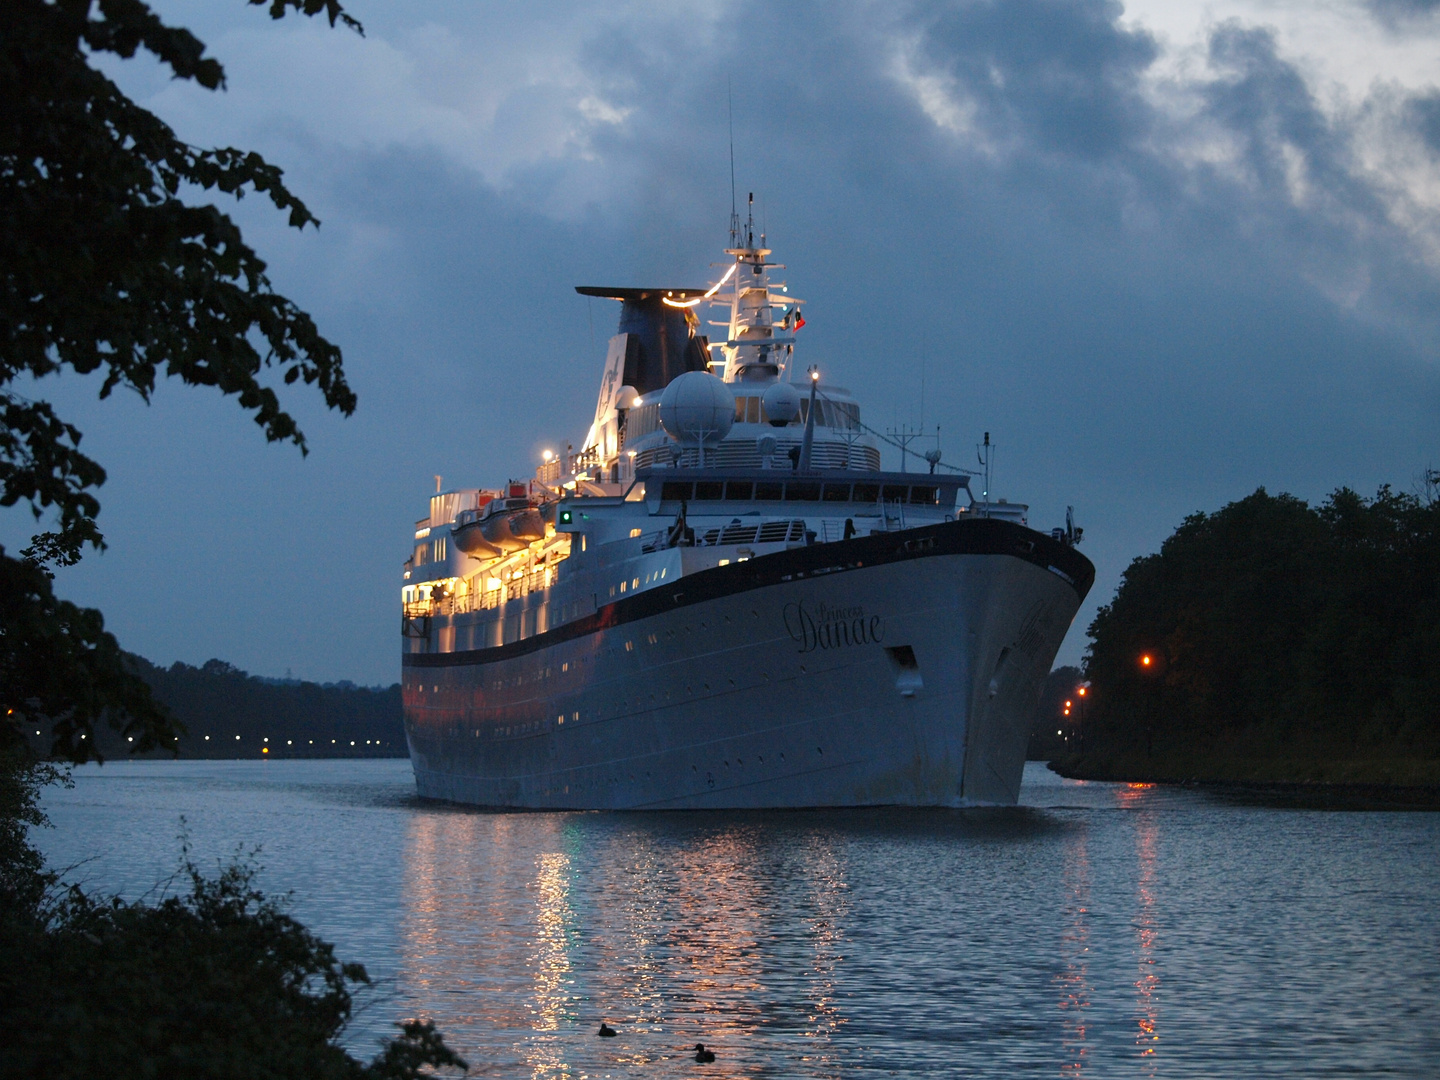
(675, 489)
(866, 493)
(922, 496)
(737, 489)
(836, 493)
(802, 492)
(767, 491)
(709, 490)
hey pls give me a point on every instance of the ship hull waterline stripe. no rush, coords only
(980, 536)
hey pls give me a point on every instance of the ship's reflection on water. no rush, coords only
(524, 932)
(991, 943)
(1074, 975)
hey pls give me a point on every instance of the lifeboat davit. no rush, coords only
(498, 528)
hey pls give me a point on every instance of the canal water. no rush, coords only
(1102, 930)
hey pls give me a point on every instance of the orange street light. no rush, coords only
(1067, 704)
(1081, 691)
(1145, 660)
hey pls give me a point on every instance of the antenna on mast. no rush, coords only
(986, 454)
(734, 214)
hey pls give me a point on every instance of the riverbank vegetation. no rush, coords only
(1273, 641)
(228, 713)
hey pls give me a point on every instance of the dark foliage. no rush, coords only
(61, 672)
(1286, 642)
(106, 269)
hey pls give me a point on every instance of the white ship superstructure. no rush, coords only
(720, 600)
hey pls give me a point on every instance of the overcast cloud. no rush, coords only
(1164, 254)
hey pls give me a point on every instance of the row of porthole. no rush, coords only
(634, 583)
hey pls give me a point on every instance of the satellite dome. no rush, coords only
(781, 403)
(697, 407)
(625, 397)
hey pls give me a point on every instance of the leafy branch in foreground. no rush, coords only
(105, 269)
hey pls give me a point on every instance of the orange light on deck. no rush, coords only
(1080, 692)
(1067, 704)
(266, 750)
(1145, 660)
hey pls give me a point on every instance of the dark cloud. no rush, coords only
(1061, 76)
(1402, 15)
(1423, 113)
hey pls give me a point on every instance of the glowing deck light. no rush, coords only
(1067, 704)
(815, 375)
(547, 455)
(635, 405)
(1081, 691)
(1145, 660)
(700, 299)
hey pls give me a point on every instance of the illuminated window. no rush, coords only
(634, 533)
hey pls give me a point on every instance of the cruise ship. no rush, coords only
(720, 600)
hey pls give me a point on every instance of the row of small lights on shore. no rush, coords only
(291, 742)
(266, 750)
(1146, 661)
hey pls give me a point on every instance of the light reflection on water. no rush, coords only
(1101, 930)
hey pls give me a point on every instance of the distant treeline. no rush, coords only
(231, 714)
(1274, 641)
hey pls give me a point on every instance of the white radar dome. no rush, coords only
(781, 403)
(626, 397)
(697, 407)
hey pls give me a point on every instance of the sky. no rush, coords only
(1165, 253)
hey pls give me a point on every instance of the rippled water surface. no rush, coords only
(1098, 930)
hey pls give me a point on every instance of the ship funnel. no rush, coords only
(660, 339)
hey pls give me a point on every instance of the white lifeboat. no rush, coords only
(498, 528)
